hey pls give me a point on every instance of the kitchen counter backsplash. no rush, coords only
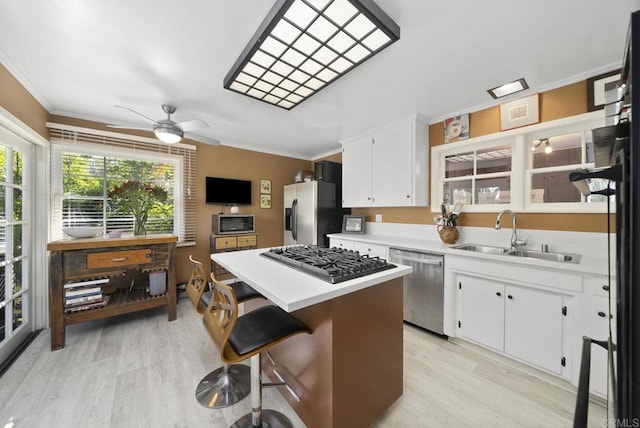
(591, 246)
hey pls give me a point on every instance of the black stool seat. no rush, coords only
(244, 291)
(263, 327)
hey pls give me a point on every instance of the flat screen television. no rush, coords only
(228, 191)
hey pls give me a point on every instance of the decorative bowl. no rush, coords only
(82, 231)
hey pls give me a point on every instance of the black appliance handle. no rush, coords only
(294, 219)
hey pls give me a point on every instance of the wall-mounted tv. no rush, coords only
(228, 191)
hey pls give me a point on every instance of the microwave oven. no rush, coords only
(232, 223)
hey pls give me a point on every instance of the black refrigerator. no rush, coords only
(621, 138)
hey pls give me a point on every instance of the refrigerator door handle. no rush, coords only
(294, 219)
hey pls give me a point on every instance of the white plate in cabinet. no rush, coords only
(341, 243)
(372, 250)
(521, 322)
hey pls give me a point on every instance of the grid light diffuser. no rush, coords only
(303, 45)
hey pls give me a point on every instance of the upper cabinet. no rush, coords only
(387, 167)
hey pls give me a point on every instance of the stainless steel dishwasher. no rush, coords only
(423, 289)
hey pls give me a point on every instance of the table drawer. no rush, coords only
(119, 258)
(247, 241)
(226, 242)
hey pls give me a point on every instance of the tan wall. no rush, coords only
(16, 100)
(229, 162)
(567, 101)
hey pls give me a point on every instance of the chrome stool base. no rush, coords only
(224, 386)
(270, 418)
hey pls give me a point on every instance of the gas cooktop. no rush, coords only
(331, 264)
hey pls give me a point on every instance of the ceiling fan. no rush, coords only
(166, 130)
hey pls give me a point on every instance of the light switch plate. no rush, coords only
(378, 218)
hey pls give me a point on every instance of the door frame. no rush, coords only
(39, 233)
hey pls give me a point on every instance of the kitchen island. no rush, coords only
(349, 370)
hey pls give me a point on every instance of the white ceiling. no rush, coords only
(79, 58)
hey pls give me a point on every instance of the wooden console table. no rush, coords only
(117, 259)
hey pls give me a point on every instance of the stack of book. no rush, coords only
(80, 296)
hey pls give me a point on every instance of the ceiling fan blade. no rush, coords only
(140, 128)
(139, 114)
(202, 139)
(192, 125)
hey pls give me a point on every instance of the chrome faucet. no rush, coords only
(515, 242)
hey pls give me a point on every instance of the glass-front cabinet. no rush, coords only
(525, 169)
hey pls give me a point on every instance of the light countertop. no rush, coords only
(587, 264)
(290, 288)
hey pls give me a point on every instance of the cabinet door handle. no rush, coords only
(601, 314)
(509, 296)
(498, 294)
(605, 287)
(118, 259)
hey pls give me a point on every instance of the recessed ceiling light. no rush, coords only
(509, 88)
(303, 45)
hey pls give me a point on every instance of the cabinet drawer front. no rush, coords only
(371, 249)
(247, 241)
(222, 243)
(119, 258)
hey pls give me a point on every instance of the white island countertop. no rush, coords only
(292, 289)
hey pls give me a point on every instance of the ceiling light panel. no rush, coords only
(508, 88)
(302, 45)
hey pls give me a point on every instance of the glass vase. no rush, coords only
(140, 226)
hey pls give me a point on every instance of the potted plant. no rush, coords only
(137, 198)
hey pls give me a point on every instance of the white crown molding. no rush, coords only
(21, 78)
(539, 89)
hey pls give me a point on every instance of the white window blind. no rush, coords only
(86, 164)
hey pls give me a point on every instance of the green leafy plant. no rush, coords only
(137, 198)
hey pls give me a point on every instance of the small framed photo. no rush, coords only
(265, 186)
(353, 224)
(456, 128)
(520, 112)
(265, 201)
(596, 87)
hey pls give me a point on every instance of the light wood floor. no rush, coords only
(139, 370)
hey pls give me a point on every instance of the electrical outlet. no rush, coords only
(378, 218)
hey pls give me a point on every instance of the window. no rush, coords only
(553, 157)
(480, 176)
(513, 170)
(83, 173)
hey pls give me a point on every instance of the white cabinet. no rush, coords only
(363, 247)
(388, 167)
(519, 321)
(599, 317)
(341, 243)
(533, 327)
(481, 315)
(356, 173)
(371, 250)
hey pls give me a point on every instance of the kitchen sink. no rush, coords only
(556, 257)
(532, 254)
(482, 249)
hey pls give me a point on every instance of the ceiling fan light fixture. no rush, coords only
(508, 88)
(168, 134)
(302, 46)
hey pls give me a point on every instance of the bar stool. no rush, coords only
(241, 338)
(232, 382)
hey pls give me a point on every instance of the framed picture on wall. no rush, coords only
(265, 201)
(520, 112)
(265, 186)
(595, 89)
(456, 128)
